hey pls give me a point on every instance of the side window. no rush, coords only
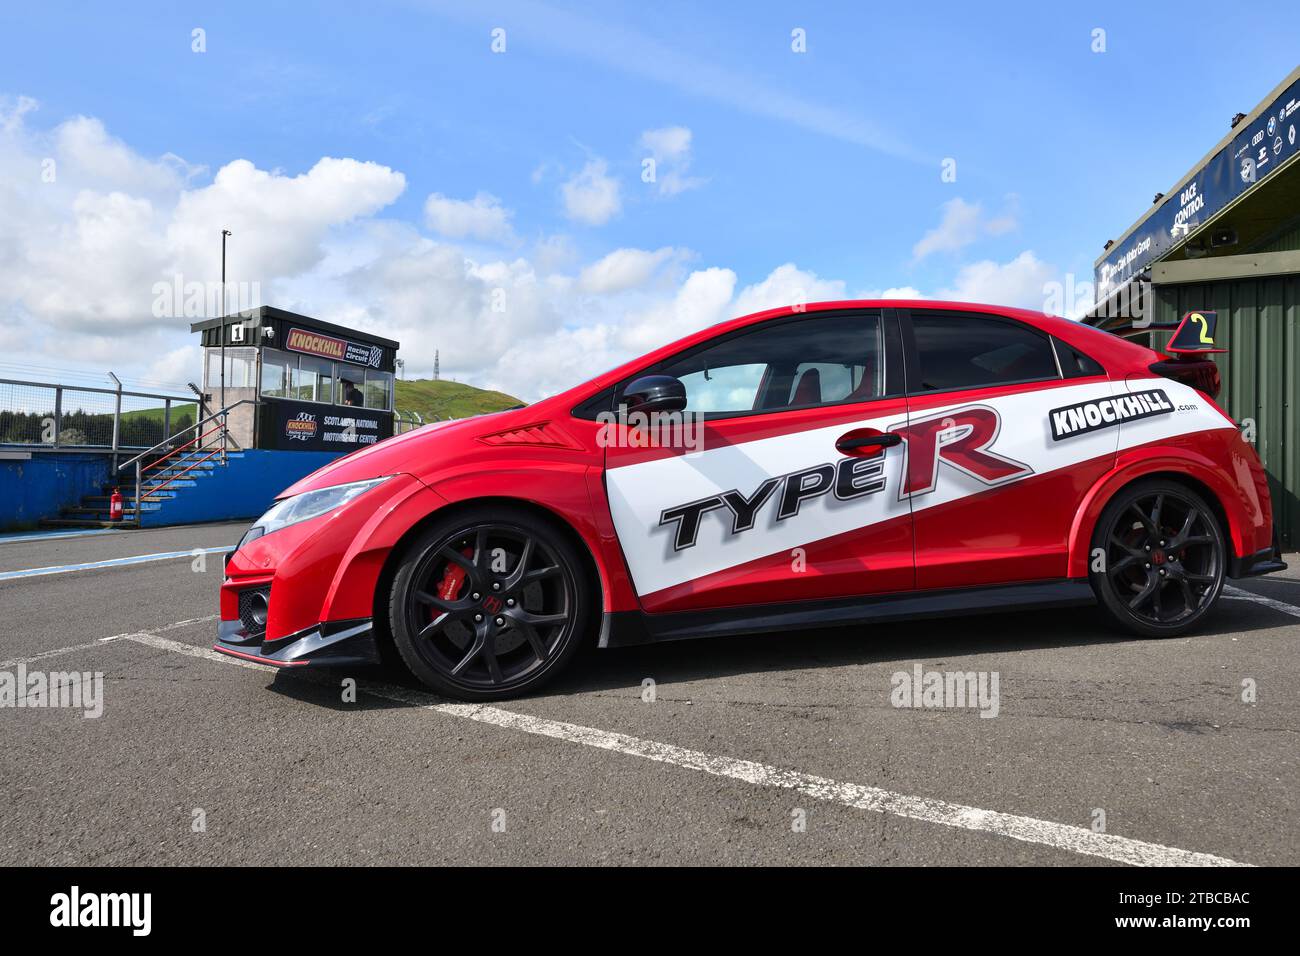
(1074, 364)
(275, 373)
(960, 350)
(315, 381)
(818, 360)
(379, 386)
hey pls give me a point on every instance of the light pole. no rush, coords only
(224, 233)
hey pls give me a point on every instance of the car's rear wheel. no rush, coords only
(489, 604)
(1158, 559)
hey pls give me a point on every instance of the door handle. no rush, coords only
(856, 443)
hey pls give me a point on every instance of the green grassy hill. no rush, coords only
(442, 399)
(432, 400)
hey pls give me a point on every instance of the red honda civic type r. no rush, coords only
(827, 464)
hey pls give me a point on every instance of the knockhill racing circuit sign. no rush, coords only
(327, 346)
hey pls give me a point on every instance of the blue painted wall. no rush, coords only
(39, 486)
(244, 488)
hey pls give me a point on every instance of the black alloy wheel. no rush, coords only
(489, 605)
(1163, 558)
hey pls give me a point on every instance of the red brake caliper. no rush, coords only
(452, 579)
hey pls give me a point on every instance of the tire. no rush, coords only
(489, 603)
(1165, 558)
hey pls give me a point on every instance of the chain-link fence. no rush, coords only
(41, 414)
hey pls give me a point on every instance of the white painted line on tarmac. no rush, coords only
(1242, 595)
(55, 652)
(110, 563)
(56, 535)
(190, 650)
(1058, 836)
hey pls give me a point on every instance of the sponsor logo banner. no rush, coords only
(302, 427)
(308, 426)
(327, 346)
(1255, 152)
(1099, 413)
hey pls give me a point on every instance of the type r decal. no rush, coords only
(847, 479)
(1084, 417)
(961, 437)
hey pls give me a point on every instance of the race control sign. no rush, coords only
(1256, 152)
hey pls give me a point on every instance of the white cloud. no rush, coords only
(82, 254)
(180, 365)
(622, 269)
(592, 195)
(482, 217)
(704, 299)
(896, 292)
(555, 253)
(961, 224)
(96, 160)
(670, 148)
(86, 246)
(279, 222)
(12, 111)
(669, 142)
(788, 285)
(1016, 283)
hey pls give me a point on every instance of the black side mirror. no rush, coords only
(655, 393)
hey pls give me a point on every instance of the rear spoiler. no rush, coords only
(1191, 347)
(1195, 335)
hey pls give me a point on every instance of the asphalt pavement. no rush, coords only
(785, 748)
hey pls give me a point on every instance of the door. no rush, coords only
(994, 488)
(781, 484)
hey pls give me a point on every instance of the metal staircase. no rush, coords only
(157, 475)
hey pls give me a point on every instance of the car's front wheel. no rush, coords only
(489, 603)
(1158, 559)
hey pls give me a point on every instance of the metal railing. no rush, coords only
(215, 424)
(406, 421)
(46, 416)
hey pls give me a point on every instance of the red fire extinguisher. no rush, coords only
(115, 506)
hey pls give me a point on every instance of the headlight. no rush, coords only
(309, 504)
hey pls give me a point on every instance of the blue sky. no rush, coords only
(828, 161)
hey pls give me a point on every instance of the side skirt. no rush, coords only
(626, 628)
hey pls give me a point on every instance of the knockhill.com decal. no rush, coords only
(1098, 413)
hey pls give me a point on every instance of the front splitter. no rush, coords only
(330, 644)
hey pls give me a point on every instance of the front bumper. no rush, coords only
(330, 644)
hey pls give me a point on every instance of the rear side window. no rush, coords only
(962, 350)
(1074, 364)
